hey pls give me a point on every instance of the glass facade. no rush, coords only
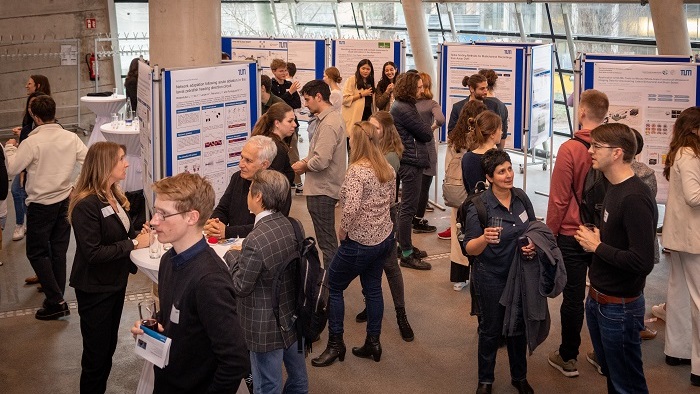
(595, 28)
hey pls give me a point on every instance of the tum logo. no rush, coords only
(686, 73)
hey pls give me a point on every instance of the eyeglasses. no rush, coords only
(160, 216)
(599, 146)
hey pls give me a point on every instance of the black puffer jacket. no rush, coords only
(414, 132)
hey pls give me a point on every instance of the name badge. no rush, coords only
(523, 217)
(106, 211)
(605, 216)
(175, 315)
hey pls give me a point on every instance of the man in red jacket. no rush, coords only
(563, 218)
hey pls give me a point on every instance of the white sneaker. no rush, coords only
(458, 286)
(18, 233)
(659, 311)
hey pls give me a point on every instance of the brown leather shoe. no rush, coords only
(32, 280)
(647, 333)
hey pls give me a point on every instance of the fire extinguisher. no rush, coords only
(90, 60)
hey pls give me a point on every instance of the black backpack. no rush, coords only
(311, 313)
(595, 186)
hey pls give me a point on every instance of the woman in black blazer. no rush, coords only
(104, 239)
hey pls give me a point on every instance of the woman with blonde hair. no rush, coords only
(432, 114)
(457, 147)
(331, 76)
(104, 238)
(366, 239)
(680, 236)
(278, 123)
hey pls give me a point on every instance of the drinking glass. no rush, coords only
(498, 223)
(147, 312)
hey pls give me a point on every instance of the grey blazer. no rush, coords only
(265, 250)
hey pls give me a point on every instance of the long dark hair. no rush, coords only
(385, 81)
(684, 135)
(133, 69)
(360, 82)
(266, 123)
(42, 84)
(27, 120)
(459, 139)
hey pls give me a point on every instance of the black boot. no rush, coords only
(404, 327)
(371, 349)
(362, 316)
(334, 349)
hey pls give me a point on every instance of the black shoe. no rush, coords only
(371, 349)
(53, 312)
(404, 326)
(415, 263)
(694, 380)
(675, 361)
(420, 254)
(334, 350)
(484, 388)
(422, 226)
(523, 386)
(362, 316)
(660, 230)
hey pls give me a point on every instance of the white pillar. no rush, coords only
(265, 20)
(418, 36)
(184, 33)
(670, 27)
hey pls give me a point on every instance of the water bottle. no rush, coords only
(128, 114)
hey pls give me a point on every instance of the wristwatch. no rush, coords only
(135, 241)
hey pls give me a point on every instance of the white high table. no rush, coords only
(103, 107)
(150, 267)
(129, 137)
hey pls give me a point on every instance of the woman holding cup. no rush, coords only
(104, 239)
(494, 246)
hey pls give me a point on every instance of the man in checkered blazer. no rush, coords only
(267, 248)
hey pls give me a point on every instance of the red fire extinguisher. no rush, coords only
(90, 60)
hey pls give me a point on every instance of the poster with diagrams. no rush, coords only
(649, 98)
(541, 94)
(460, 60)
(308, 55)
(346, 54)
(209, 116)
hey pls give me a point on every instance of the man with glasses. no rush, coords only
(197, 301)
(563, 218)
(231, 219)
(50, 155)
(623, 256)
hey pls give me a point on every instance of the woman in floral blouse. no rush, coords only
(366, 237)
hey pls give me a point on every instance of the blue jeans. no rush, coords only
(489, 288)
(19, 196)
(352, 260)
(267, 371)
(614, 330)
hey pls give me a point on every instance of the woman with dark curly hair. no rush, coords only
(415, 134)
(384, 96)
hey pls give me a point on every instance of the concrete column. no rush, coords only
(265, 21)
(670, 27)
(184, 33)
(418, 36)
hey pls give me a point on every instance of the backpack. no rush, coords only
(311, 284)
(453, 191)
(595, 186)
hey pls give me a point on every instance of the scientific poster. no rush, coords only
(308, 55)
(347, 53)
(648, 97)
(464, 60)
(541, 98)
(144, 115)
(209, 115)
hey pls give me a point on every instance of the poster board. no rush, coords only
(209, 113)
(646, 93)
(309, 55)
(458, 60)
(345, 54)
(147, 123)
(541, 91)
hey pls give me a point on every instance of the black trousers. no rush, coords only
(426, 181)
(576, 262)
(48, 236)
(100, 314)
(137, 211)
